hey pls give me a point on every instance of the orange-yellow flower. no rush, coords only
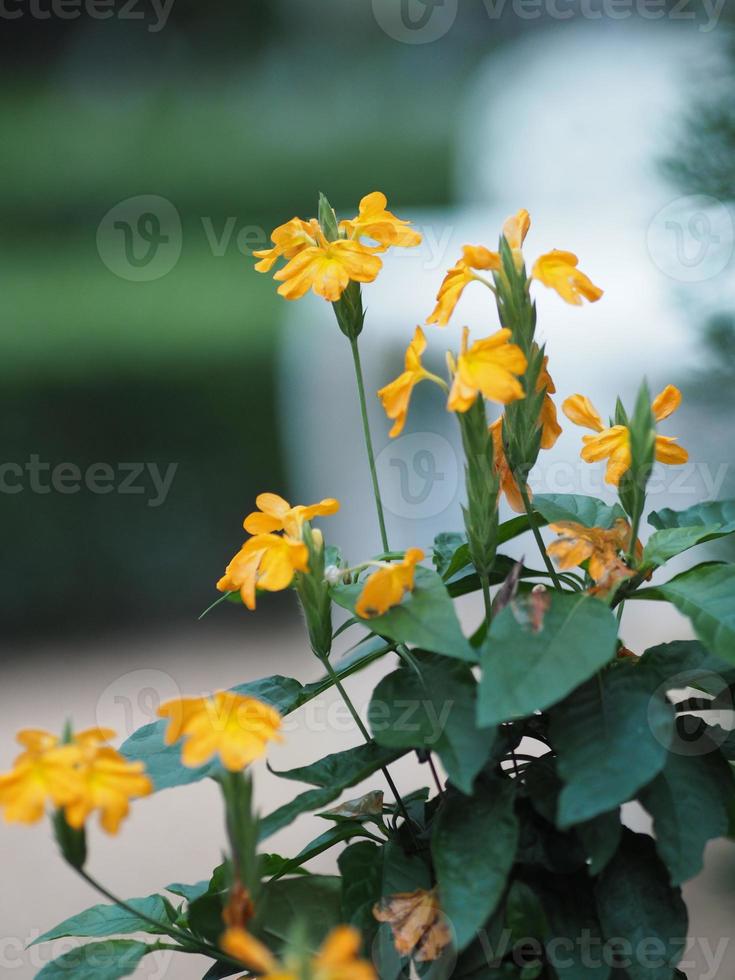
(613, 442)
(489, 368)
(327, 268)
(417, 922)
(558, 270)
(276, 514)
(376, 222)
(550, 428)
(233, 726)
(474, 257)
(508, 483)
(108, 783)
(80, 776)
(265, 561)
(288, 240)
(602, 548)
(338, 958)
(397, 395)
(387, 586)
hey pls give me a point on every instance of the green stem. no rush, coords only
(366, 735)
(369, 441)
(634, 535)
(194, 945)
(537, 534)
(485, 582)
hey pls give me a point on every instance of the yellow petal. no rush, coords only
(516, 228)
(668, 452)
(249, 951)
(666, 402)
(580, 410)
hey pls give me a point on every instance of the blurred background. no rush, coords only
(153, 383)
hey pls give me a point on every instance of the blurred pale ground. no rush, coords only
(177, 835)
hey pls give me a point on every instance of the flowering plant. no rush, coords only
(534, 730)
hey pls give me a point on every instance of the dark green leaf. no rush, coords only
(426, 618)
(111, 920)
(331, 775)
(189, 892)
(473, 846)
(527, 665)
(600, 838)
(96, 961)
(435, 711)
(574, 938)
(714, 512)
(361, 867)
(344, 830)
(573, 507)
(611, 736)
(686, 662)
(672, 541)
(636, 902)
(704, 594)
(312, 901)
(689, 801)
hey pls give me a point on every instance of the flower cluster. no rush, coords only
(337, 959)
(79, 775)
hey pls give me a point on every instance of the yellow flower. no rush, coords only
(265, 561)
(459, 276)
(108, 783)
(337, 959)
(613, 442)
(40, 777)
(397, 395)
(276, 514)
(233, 726)
(489, 368)
(516, 228)
(508, 483)
(602, 548)
(558, 270)
(327, 268)
(387, 586)
(550, 428)
(288, 240)
(80, 776)
(417, 922)
(375, 222)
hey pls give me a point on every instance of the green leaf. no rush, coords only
(672, 541)
(434, 711)
(111, 920)
(611, 736)
(688, 663)
(600, 838)
(331, 775)
(573, 507)
(704, 594)
(714, 512)
(97, 961)
(313, 902)
(528, 666)
(451, 552)
(636, 902)
(426, 617)
(574, 937)
(163, 762)
(344, 830)
(473, 846)
(689, 802)
(361, 867)
(188, 892)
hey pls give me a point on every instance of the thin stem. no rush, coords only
(369, 441)
(366, 735)
(537, 534)
(165, 928)
(435, 774)
(634, 535)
